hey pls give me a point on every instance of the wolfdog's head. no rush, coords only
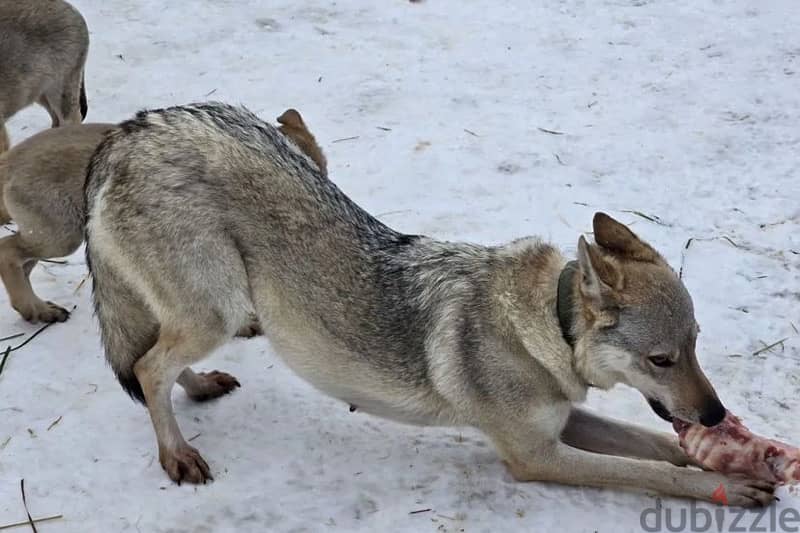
(636, 325)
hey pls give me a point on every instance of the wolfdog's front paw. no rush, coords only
(741, 492)
(43, 312)
(185, 464)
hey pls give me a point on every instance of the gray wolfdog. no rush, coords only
(43, 49)
(506, 339)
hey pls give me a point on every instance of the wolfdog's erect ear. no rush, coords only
(617, 238)
(601, 277)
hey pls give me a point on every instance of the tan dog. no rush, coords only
(43, 49)
(42, 191)
(43, 194)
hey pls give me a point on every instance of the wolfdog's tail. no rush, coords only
(127, 326)
(5, 142)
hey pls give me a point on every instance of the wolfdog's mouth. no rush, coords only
(660, 410)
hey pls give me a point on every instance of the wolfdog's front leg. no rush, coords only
(595, 433)
(536, 455)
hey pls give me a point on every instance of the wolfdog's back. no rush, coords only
(216, 171)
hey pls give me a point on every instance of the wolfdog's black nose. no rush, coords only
(713, 414)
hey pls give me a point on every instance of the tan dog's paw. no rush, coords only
(185, 464)
(43, 312)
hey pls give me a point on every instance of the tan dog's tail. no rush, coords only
(83, 102)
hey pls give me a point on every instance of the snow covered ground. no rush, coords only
(687, 111)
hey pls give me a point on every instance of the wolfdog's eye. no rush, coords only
(661, 360)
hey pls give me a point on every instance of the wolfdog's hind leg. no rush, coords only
(251, 328)
(5, 142)
(157, 371)
(204, 386)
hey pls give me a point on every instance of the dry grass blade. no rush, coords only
(730, 241)
(398, 212)
(38, 331)
(15, 336)
(5, 358)
(54, 261)
(551, 132)
(345, 139)
(54, 424)
(80, 284)
(652, 218)
(26, 341)
(683, 256)
(25, 504)
(771, 346)
(33, 336)
(35, 521)
(471, 132)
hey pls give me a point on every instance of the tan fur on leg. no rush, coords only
(15, 268)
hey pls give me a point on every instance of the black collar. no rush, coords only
(565, 301)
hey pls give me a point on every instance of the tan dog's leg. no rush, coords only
(594, 433)
(157, 372)
(16, 264)
(52, 103)
(69, 97)
(535, 454)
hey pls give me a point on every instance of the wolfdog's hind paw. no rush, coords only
(251, 329)
(185, 464)
(214, 384)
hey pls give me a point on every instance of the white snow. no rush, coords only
(684, 110)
